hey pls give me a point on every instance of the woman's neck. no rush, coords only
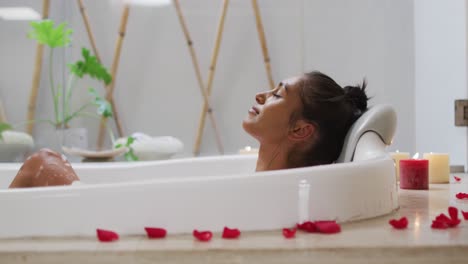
(272, 157)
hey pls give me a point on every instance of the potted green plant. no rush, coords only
(46, 33)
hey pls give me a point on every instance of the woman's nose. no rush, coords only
(260, 98)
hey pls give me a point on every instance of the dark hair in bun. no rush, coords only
(357, 96)
(332, 109)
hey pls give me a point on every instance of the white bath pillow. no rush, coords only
(381, 119)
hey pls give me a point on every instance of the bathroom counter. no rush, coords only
(365, 241)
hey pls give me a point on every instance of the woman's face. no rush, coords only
(269, 119)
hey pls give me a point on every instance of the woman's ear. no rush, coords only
(301, 131)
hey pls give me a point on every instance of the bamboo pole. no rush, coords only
(36, 75)
(98, 57)
(261, 36)
(3, 117)
(88, 29)
(211, 73)
(115, 65)
(196, 66)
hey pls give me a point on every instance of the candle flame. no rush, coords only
(416, 155)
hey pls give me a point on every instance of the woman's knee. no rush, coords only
(45, 168)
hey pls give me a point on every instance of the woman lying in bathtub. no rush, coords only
(302, 122)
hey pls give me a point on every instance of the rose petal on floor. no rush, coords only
(439, 225)
(401, 223)
(465, 215)
(155, 232)
(289, 232)
(327, 227)
(106, 235)
(202, 235)
(230, 233)
(453, 212)
(307, 226)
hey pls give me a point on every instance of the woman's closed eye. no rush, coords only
(276, 95)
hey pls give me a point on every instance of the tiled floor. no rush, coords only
(359, 242)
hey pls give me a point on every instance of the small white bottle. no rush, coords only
(303, 201)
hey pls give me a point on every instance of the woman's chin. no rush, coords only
(247, 125)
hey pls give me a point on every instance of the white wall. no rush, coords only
(156, 89)
(440, 77)
(351, 40)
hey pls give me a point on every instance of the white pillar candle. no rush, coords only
(439, 167)
(397, 156)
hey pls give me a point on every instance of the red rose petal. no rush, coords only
(439, 225)
(462, 196)
(401, 223)
(454, 222)
(289, 232)
(231, 233)
(443, 219)
(155, 232)
(106, 235)
(307, 226)
(327, 227)
(457, 179)
(465, 215)
(453, 212)
(202, 235)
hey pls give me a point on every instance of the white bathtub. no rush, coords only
(197, 193)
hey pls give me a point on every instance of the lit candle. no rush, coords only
(397, 156)
(439, 168)
(414, 174)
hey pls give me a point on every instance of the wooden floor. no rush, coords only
(366, 241)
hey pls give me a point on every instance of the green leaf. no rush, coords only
(4, 127)
(104, 107)
(130, 141)
(90, 66)
(75, 69)
(130, 156)
(44, 32)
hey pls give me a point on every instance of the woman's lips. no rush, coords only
(254, 110)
